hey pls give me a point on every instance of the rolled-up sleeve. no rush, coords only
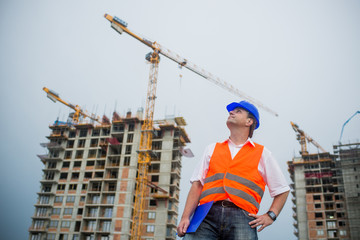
(202, 167)
(272, 174)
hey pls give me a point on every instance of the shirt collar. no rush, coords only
(247, 141)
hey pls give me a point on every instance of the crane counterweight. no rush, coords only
(118, 20)
(51, 97)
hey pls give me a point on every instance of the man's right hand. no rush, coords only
(191, 203)
(183, 226)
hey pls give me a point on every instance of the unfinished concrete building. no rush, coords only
(326, 194)
(88, 185)
(349, 157)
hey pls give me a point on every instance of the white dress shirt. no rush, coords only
(268, 168)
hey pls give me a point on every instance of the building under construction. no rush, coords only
(349, 157)
(326, 193)
(88, 186)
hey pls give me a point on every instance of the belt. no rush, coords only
(225, 203)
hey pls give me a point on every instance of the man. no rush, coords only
(233, 174)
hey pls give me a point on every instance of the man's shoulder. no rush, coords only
(267, 155)
(211, 145)
(266, 151)
(256, 144)
(209, 150)
(254, 141)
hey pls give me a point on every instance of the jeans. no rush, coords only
(225, 221)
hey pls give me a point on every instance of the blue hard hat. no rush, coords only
(248, 107)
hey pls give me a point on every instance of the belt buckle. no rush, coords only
(223, 204)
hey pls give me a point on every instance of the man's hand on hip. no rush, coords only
(261, 220)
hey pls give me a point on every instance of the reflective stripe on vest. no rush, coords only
(236, 179)
(245, 182)
(231, 190)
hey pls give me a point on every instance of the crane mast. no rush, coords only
(302, 137)
(144, 157)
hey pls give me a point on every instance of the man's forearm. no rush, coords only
(193, 199)
(264, 220)
(279, 202)
(190, 206)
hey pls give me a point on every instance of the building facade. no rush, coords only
(325, 194)
(88, 186)
(349, 157)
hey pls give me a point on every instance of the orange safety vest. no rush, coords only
(236, 179)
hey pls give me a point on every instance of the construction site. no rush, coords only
(118, 177)
(325, 190)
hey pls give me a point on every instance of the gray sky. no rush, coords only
(300, 58)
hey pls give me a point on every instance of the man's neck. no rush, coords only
(239, 137)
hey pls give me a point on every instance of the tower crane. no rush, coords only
(121, 26)
(144, 157)
(302, 137)
(53, 96)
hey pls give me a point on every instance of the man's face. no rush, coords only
(239, 117)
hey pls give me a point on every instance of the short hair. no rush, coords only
(253, 126)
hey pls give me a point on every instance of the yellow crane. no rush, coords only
(144, 157)
(53, 96)
(302, 137)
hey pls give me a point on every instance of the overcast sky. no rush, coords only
(300, 58)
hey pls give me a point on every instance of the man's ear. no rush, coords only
(249, 122)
